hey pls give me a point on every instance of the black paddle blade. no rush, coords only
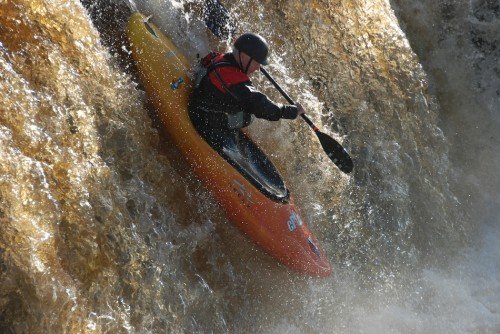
(218, 19)
(336, 152)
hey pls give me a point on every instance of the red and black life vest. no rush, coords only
(213, 104)
(223, 73)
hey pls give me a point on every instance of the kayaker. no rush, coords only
(225, 100)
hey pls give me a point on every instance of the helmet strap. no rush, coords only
(248, 65)
(241, 63)
(239, 57)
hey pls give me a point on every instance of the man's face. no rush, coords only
(254, 66)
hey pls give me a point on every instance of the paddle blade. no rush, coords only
(336, 152)
(218, 19)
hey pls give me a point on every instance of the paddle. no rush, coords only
(218, 20)
(332, 148)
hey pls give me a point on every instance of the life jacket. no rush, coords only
(220, 107)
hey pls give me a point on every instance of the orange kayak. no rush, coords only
(251, 192)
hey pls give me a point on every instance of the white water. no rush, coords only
(117, 241)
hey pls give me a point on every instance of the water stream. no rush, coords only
(100, 232)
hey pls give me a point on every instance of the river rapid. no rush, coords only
(101, 231)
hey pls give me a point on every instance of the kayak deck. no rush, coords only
(244, 155)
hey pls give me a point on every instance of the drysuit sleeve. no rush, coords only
(259, 104)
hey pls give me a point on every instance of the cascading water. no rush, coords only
(101, 233)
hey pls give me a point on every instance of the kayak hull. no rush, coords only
(276, 227)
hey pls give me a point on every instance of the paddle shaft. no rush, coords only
(288, 98)
(333, 149)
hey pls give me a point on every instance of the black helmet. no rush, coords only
(253, 45)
